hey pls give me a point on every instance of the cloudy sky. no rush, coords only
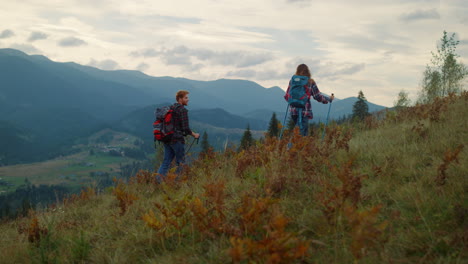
(377, 46)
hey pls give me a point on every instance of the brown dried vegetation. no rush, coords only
(295, 200)
(124, 197)
(449, 157)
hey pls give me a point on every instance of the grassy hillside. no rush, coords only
(384, 191)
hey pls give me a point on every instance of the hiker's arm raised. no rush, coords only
(318, 96)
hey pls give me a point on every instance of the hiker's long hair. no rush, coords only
(181, 94)
(303, 70)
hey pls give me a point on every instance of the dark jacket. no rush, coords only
(181, 123)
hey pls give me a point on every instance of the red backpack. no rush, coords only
(163, 127)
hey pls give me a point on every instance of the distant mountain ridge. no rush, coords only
(130, 90)
(60, 102)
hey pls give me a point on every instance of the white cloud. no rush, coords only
(37, 36)
(194, 67)
(421, 15)
(146, 53)
(177, 60)
(181, 55)
(278, 77)
(104, 64)
(26, 48)
(6, 34)
(464, 42)
(334, 72)
(242, 73)
(71, 42)
(143, 67)
(299, 1)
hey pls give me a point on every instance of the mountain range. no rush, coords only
(55, 103)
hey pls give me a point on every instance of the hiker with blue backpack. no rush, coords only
(301, 87)
(171, 127)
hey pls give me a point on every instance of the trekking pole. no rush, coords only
(326, 123)
(284, 122)
(195, 139)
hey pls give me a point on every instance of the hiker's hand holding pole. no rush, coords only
(195, 135)
(332, 97)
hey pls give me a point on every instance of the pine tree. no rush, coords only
(290, 126)
(273, 127)
(247, 139)
(26, 206)
(360, 107)
(205, 145)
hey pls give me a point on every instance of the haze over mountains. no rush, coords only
(54, 103)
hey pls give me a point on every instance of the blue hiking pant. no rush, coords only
(172, 150)
(304, 127)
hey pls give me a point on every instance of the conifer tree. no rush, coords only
(290, 126)
(273, 129)
(26, 206)
(205, 145)
(247, 139)
(360, 107)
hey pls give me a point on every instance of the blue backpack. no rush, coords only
(297, 96)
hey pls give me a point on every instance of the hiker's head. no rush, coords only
(182, 97)
(303, 70)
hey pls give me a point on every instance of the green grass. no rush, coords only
(70, 170)
(16, 181)
(363, 195)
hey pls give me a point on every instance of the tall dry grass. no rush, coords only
(387, 190)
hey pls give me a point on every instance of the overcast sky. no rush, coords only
(377, 46)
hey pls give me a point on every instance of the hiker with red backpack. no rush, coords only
(171, 130)
(301, 87)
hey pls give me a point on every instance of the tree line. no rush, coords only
(29, 196)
